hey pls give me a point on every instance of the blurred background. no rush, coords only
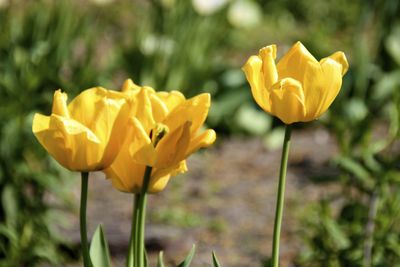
(343, 193)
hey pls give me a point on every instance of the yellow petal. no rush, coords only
(205, 139)
(60, 104)
(171, 99)
(321, 85)
(129, 85)
(158, 107)
(288, 101)
(268, 55)
(143, 110)
(72, 144)
(97, 108)
(254, 75)
(194, 110)
(160, 177)
(157, 185)
(340, 58)
(120, 129)
(293, 64)
(141, 149)
(172, 148)
(126, 175)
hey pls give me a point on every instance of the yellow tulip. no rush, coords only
(164, 129)
(85, 135)
(298, 88)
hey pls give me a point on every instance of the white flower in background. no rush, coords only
(244, 14)
(208, 7)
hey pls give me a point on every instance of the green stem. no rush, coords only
(84, 241)
(280, 197)
(133, 240)
(141, 219)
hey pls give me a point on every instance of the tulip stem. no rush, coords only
(84, 242)
(130, 262)
(280, 197)
(141, 219)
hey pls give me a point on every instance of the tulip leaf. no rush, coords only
(189, 257)
(215, 260)
(160, 262)
(145, 258)
(99, 252)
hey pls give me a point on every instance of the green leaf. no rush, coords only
(215, 260)
(10, 205)
(355, 168)
(146, 260)
(160, 262)
(99, 252)
(188, 260)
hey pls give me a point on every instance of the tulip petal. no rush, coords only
(60, 104)
(194, 110)
(321, 85)
(72, 144)
(205, 139)
(129, 85)
(254, 75)
(340, 58)
(294, 62)
(172, 148)
(97, 108)
(141, 148)
(160, 177)
(171, 99)
(126, 176)
(143, 110)
(158, 184)
(288, 101)
(159, 108)
(270, 74)
(120, 130)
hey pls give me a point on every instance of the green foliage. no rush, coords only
(99, 251)
(361, 226)
(37, 56)
(215, 260)
(188, 259)
(160, 261)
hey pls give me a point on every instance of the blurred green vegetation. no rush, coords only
(195, 46)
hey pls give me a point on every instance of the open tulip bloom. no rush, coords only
(84, 136)
(138, 137)
(297, 89)
(163, 130)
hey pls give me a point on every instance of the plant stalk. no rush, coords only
(280, 197)
(141, 219)
(130, 262)
(84, 242)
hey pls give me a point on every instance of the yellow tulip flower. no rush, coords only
(85, 135)
(164, 129)
(298, 88)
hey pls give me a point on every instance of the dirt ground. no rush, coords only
(225, 203)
